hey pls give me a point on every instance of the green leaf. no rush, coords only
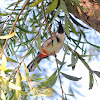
(22, 29)
(65, 98)
(66, 28)
(91, 81)
(37, 64)
(77, 44)
(72, 27)
(36, 3)
(39, 43)
(70, 77)
(77, 2)
(74, 59)
(12, 60)
(52, 6)
(54, 45)
(97, 73)
(66, 48)
(85, 63)
(61, 63)
(56, 14)
(50, 81)
(12, 4)
(64, 8)
(4, 14)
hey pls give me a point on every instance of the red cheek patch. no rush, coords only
(44, 54)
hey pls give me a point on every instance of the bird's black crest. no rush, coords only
(60, 28)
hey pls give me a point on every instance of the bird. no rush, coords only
(47, 47)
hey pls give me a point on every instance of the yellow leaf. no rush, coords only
(7, 36)
(18, 79)
(13, 86)
(18, 83)
(26, 71)
(23, 77)
(4, 63)
(3, 95)
(36, 3)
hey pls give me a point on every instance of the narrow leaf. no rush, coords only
(12, 60)
(26, 72)
(18, 83)
(72, 27)
(52, 6)
(91, 81)
(8, 36)
(61, 63)
(39, 43)
(74, 59)
(22, 29)
(97, 73)
(12, 4)
(4, 63)
(13, 86)
(36, 3)
(50, 81)
(23, 78)
(56, 14)
(66, 28)
(64, 8)
(70, 77)
(54, 45)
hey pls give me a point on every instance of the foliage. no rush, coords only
(23, 26)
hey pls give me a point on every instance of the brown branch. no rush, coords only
(25, 4)
(59, 79)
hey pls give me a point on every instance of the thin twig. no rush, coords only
(25, 4)
(60, 79)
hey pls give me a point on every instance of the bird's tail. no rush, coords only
(32, 65)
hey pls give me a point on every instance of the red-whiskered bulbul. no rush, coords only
(48, 46)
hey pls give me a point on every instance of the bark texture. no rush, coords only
(91, 14)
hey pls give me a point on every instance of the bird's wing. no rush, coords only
(48, 42)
